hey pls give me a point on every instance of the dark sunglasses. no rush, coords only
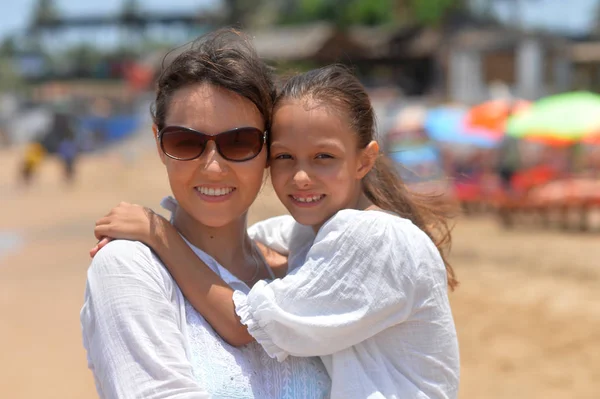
(236, 145)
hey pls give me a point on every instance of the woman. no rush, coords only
(143, 338)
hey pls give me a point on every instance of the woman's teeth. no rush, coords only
(214, 192)
(308, 199)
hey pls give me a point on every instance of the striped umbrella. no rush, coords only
(559, 119)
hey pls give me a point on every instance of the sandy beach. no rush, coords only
(527, 310)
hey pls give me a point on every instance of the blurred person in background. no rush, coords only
(68, 151)
(509, 162)
(143, 338)
(4, 139)
(32, 158)
(62, 139)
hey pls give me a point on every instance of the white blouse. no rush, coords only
(144, 340)
(369, 296)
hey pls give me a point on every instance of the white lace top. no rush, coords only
(369, 295)
(144, 340)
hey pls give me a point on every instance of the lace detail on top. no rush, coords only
(246, 372)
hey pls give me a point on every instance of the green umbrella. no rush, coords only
(562, 118)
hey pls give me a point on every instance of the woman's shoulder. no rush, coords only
(276, 225)
(274, 221)
(129, 258)
(123, 251)
(281, 233)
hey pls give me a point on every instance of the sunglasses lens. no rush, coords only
(182, 144)
(240, 144)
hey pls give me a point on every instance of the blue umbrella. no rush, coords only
(448, 125)
(418, 163)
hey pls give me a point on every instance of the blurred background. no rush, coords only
(492, 103)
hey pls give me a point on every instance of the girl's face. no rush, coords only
(210, 189)
(316, 166)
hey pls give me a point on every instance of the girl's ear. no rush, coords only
(160, 153)
(367, 158)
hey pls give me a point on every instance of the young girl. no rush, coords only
(367, 285)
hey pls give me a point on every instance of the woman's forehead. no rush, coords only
(206, 107)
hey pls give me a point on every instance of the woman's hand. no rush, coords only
(128, 222)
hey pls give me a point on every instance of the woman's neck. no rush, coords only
(229, 245)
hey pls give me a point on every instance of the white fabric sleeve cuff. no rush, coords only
(250, 317)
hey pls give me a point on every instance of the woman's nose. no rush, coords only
(212, 160)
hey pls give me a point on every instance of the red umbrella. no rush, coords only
(592, 139)
(492, 115)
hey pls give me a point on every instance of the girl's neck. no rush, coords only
(360, 202)
(363, 203)
(229, 245)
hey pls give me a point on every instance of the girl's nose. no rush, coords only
(301, 178)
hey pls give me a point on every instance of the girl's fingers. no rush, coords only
(102, 221)
(94, 251)
(99, 246)
(98, 233)
(103, 242)
(103, 230)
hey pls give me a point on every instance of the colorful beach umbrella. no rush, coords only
(492, 115)
(593, 139)
(448, 125)
(418, 163)
(559, 119)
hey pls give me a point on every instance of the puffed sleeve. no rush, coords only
(132, 328)
(359, 278)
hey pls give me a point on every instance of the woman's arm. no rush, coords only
(132, 328)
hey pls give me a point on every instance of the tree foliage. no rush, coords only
(432, 12)
(130, 9)
(340, 12)
(44, 11)
(371, 12)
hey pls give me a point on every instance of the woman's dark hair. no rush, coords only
(224, 58)
(336, 86)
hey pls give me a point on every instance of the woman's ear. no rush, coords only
(160, 152)
(367, 158)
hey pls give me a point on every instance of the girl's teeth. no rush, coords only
(214, 192)
(308, 199)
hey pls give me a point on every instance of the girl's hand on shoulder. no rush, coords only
(127, 222)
